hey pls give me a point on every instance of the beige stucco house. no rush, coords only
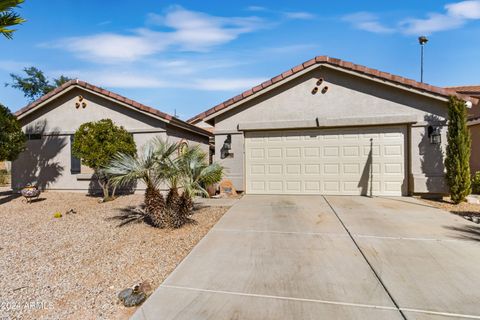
(329, 126)
(51, 121)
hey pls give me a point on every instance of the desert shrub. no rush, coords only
(12, 138)
(457, 161)
(96, 143)
(186, 172)
(476, 183)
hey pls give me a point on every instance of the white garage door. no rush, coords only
(347, 161)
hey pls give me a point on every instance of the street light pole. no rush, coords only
(422, 41)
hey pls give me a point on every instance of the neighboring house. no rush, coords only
(329, 126)
(51, 121)
(474, 125)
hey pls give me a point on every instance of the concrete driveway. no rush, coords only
(332, 257)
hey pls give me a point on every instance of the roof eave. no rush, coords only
(440, 97)
(75, 84)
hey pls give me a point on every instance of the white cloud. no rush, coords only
(456, 15)
(368, 22)
(434, 23)
(300, 15)
(116, 78)
(256, 8)
(125, 80)
(13, 66)
(182, 30)
(104, 23)
(464, 9)
(226, 84)
(109, 47)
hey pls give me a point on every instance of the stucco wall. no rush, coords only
(202, 124)
(348, 97)
(47, 162)
(475, 155)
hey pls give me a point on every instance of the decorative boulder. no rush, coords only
(135, 296)
(227, 188)
(135, 299)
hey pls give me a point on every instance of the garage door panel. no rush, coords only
(331, 151)
(349, 161)
(331, 187)
(275, 169)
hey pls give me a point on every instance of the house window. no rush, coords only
(75, 163)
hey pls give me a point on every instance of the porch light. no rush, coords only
(227, 146)
(434, 135)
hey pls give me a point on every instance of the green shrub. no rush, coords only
(97, 142)
(457, 161)
(476, 183)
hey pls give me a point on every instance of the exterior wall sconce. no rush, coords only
(434, 135)
(227, 146)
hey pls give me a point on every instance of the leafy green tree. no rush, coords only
(96, 144)
(61, 80)
(12, 138)
(35, 84)
(9, 18)
(457, 161)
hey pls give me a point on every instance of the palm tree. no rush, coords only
(8, 18)
(151, 166)
(195, 175)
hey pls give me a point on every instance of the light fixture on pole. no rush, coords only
(422, 40)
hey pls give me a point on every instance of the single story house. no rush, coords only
(51, 121)
(474, 125)
(329, 126)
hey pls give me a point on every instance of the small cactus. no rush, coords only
(57, 215)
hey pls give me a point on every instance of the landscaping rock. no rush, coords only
(132, 297)
(145, 287)
(135, 299)
(124, 294)
(473, 199)
(227, 188)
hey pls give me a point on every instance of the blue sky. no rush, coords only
(190, 55)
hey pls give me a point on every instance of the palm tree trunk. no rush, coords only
(185, 207)
(155, 207)
(176, 218)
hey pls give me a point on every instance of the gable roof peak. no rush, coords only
(338, 63)
(110, 95)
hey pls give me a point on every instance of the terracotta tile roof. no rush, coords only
(444, 92)
(468, 90)
(75, 82)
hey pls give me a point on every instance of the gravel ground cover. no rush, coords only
(73, 267)
(462, 209)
